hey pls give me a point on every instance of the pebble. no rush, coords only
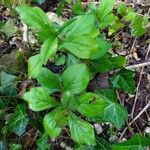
(53, 139)
(63, 145)
(147, 130)
(123, 139)
(113, 139)
(98, 128)
(69, 148)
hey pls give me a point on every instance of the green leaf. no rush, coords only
(71, 60)
(115, 27)
(138, 142)
(54, 121)
(7, 79)
(107, 63)
(107, 20)
(68, 100)
(75, 78)
(114, 113)
(77, 37)
(7, 84)
(45, 34)
(14, 146)
(39, 100)
(124, 81)
(35, 18)
(91, 48)
(34, 66)
(138, 25)
(9, 28)
(105, 7)
(121, 9)
(130, 15)
(8, 3)
(108, 94)
(18, 121)
(81, 131)
(49, 49)
(42, 142)
(101, 144)
(91, 104)
(48, 79)
(60, 60)
(76, 27)
(78, 9)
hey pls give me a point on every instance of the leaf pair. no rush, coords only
(74, 79)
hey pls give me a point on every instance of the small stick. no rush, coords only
(137, 91)
(138, 65)
(139, 114)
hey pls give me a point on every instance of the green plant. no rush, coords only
(80, 46)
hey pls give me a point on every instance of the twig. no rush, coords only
(147, 63)
(137, 91)
(139, 114)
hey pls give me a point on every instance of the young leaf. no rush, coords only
(42, 142)
(107, 20)
(117, 25)
(124, 81)
(91, 104)
(53, 122)
(75, 78)
(76, 27)
(130, 15)
(77, 37)
(138, 142)
(68, 100)
(48, 79)
(34, 66)
(81, 131)
(105, 7)
(91, 48)
(18, 121)
(138, 25)
(34, 17)
(48, 49)
(107, 63)
(39, 100)
(77, 8)
(121, 9)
